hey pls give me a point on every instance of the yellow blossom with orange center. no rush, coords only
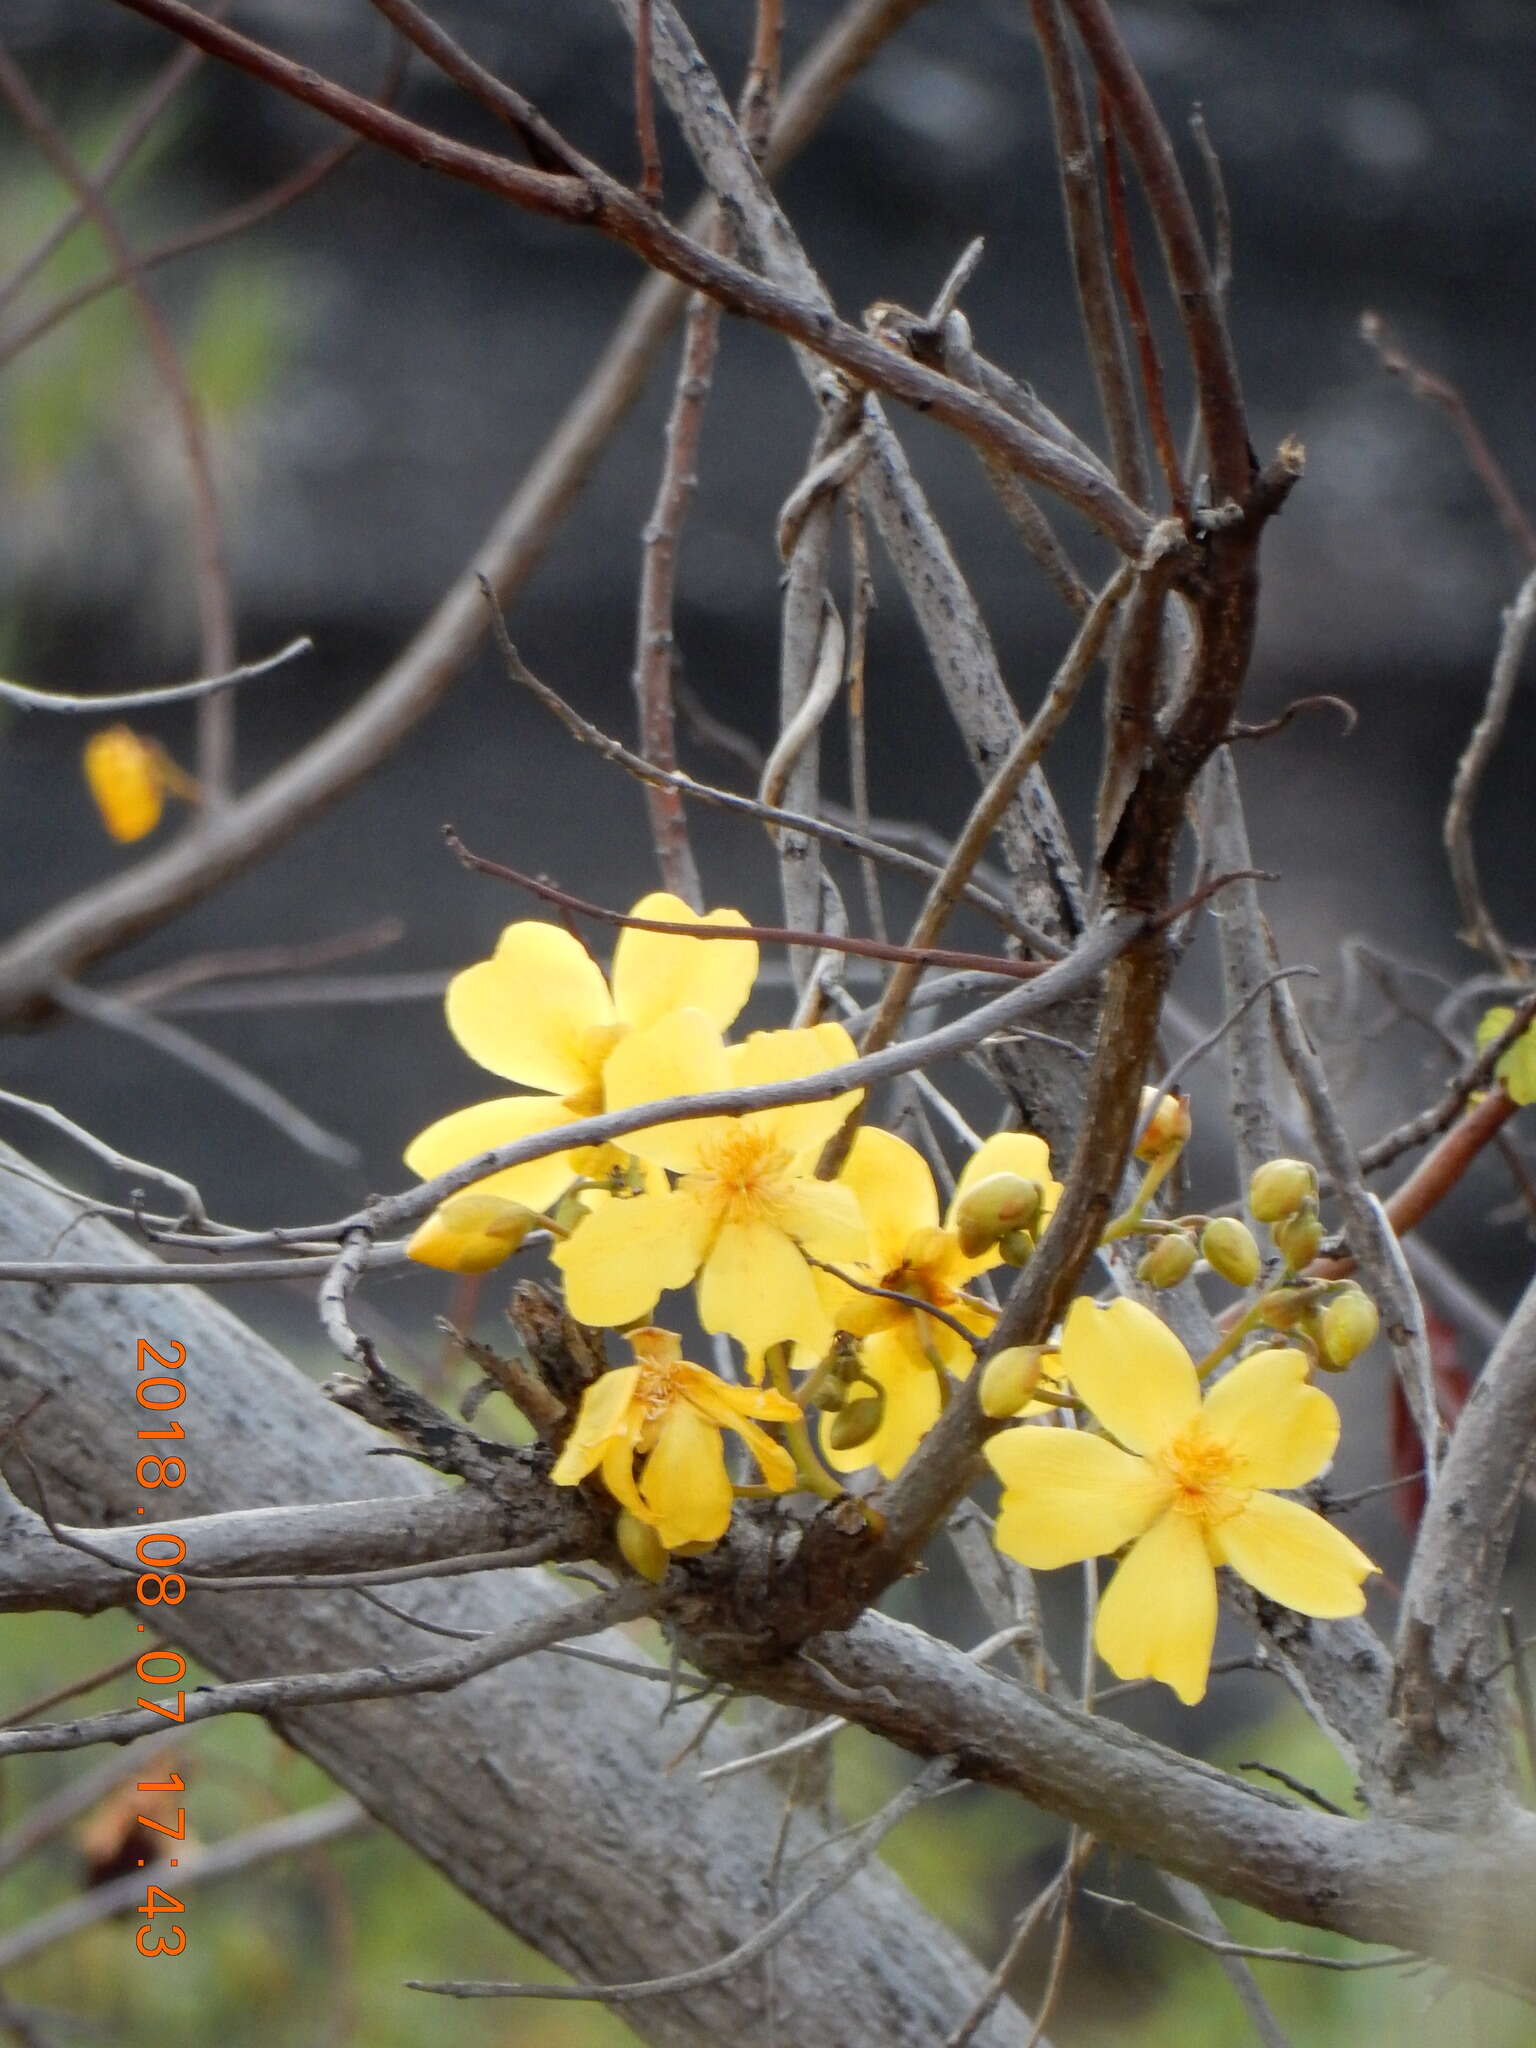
(541, 1012)
(1187, 1485)
(903, 1349)
(746, 1206)
(653, 1432)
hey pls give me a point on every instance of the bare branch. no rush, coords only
(1090, 258)
(438, 1673)
(214, 603)
(1446, 1749)
(25, 698)
(294, 1834)
(1478, 927)
(192, 1209)
(937, 1779)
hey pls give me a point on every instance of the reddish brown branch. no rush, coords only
(1195, 292)
(1136, 312)
(594, 200)
(649, 187)
(766, 934)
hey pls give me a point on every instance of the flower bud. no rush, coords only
(1349, 1326)
(471, 1233)
(1170, 1260)
(641, 1548)
(1169, 1127)
(1287, 1308)
(1228, 1248)
(854, 1424)
(1278, 1189)
(1017, 1248)
(995, 1205)
(1298, 1238)
(1008, 1379)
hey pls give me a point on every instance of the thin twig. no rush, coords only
(440, 1673)
(1398, 1960)
(1520, 1678)
(193, 1210)
(1478, 927)
(768, 934)
(1136, 311)
(930, 1783)
(226, 1073)
(1439, 391)
(124, 146)
(1090, 257)
(850, 840)
(1196, 1907)
(26, 698)
(649, 186)
(295, 1833)
(151, 989)
(215, 610)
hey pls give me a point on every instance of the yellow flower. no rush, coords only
(1516, 1066)
(539, 1011)
(912, 1254)
(669, 1415)
(128, 778)
(746, 1202)
(1188, 1492)
(471, 1233)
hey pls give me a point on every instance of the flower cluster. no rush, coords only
(844, 1281)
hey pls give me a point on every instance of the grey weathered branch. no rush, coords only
(1446, 1748)
(573, 1840)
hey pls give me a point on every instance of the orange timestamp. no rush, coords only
(158, 1392)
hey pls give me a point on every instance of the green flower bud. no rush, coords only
(1287, 1308)
(1278, 1189)
(1017, 1248)
(1228, 1248)
(641, 1548)
(994, 1206)
(854, 1424)
(1298, 1238)
(1349, 1326)
(1170, 1260)
(1008, 1380)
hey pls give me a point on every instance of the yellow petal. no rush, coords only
(849, 1308)
(1158, 1618)
(727, 1404)
(1131, 1370)
(484, 1126)
(894, 1189)
(824, 1217)
(1018, 1152)
(1282, 1431)
(619, 1478)
(682, 1054)
(912, 1405)
(1289, 1554)
(124, 776)
(470, 1233)
(684, 1483)
(606, 1417)
(654, 973)
(756, 1288)
(790, 1056)
(1068, 1495)
(529, 1011)
(627, 1253)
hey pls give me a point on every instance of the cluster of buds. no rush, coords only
(1001, 1210)
(854, 1417)
(1283, 1194)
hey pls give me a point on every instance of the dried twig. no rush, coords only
(1478, 927)
(215, 609)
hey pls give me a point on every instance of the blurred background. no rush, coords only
(379, 364)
